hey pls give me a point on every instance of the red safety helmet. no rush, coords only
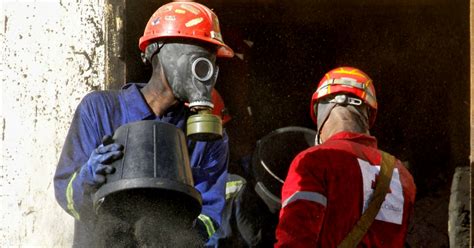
(185, 20)
(219, 107)
(346, 80)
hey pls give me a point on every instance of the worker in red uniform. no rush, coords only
(331, 185)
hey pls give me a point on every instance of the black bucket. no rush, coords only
(272, 158)
(154, 171)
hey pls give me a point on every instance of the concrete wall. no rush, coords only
(52, 54)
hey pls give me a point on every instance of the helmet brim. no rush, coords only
(223, 50)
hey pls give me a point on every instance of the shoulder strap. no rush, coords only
(381, 189)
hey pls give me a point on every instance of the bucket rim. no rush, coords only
(261, 141)
(144, 183)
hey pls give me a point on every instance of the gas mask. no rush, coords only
(191, 72)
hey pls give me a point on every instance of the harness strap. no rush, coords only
(382, 187)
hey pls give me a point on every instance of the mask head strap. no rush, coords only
(151, 50)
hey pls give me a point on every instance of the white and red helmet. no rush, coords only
(185, 20)
(349, 81)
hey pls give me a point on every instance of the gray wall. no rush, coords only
(52, 55)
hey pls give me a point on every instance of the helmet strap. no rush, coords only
(151, 50)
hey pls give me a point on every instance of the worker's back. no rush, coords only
(341, 174)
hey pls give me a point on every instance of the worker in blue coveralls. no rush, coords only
(181, 41)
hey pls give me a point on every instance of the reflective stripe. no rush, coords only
(70, 199)
(306, 195)
(348, 82)
(208, 223)
(232, 187)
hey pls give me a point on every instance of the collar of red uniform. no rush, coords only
(356, 137)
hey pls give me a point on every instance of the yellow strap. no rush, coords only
(70, 198)
(381, 188)
(208, 223)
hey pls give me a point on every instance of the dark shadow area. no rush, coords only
(417, 53)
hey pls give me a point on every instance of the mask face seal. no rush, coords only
(191, 72)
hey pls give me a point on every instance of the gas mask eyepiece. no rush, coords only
(202, 68)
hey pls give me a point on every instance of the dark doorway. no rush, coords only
(417, 53)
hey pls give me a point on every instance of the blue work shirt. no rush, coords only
(101, 113)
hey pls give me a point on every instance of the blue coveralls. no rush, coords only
(101, 113)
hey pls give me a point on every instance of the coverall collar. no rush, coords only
(135, 103)
(360, 138)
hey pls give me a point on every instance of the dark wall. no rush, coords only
(418, 58)
(416, 53)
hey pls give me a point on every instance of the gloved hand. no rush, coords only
(98, 165)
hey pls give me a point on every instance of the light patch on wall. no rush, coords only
(52, 55)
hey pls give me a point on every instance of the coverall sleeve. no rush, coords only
(81, 139)
(210, 179)
(303, 204)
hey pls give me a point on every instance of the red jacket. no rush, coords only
(329, 185)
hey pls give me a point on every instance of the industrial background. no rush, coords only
(417, 53)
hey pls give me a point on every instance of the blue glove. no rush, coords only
(98, 165)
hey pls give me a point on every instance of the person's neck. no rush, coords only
(158, 95)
